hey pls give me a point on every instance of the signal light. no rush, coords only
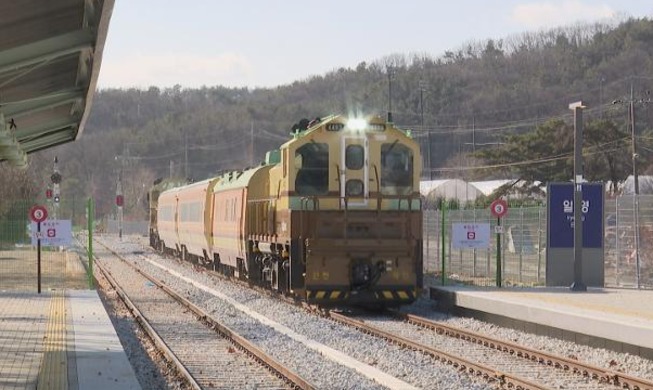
(119, 200)
(48, 194)
(56, 178)
(56, 199)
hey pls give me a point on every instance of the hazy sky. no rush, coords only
(264, 43)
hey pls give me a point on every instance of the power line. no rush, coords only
(543, 160)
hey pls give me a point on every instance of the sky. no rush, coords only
(264, 43)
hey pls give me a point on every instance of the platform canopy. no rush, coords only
(50, 55)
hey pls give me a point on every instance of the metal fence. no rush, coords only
(628, 245)
(629, 231)
(60, 267)
(523, 259)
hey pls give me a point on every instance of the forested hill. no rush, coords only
(471, 98)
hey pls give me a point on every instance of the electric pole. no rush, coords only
(633, 139)
(422, 88)
(119, 203)
(635, 156)
(391, 72)
(186, 175)
(251, 145)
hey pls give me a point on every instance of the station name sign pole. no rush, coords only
(578, 284)
(38, 214)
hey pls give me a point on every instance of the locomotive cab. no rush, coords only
(349, 207)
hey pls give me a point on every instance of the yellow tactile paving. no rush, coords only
(54, 369)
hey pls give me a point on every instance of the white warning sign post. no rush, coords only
(53, 232)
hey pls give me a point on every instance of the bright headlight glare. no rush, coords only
(357, 124)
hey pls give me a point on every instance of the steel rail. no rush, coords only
(147, 327)
(239, 341)
(597, 373)
(488, 373)
(594, 372)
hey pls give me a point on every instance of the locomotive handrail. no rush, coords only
(378, 188)
(304, 202)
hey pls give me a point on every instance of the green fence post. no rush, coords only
(443, 235)
(90, 242)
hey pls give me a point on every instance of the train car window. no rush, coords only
(396, 169)
(227, 210)
(195, 212)
(190, 212)
(165, 213)
(313, 170)
(354, 157)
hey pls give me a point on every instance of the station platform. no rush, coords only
(60, 339)
(615, 319)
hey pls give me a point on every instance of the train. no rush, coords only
(333, 217)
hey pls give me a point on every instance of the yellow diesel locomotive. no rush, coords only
(332, 217)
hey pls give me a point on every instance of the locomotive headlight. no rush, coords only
(357, 124)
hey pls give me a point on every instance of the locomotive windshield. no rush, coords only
(312, 164)
(396, 169)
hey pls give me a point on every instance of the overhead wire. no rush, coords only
(524, 162)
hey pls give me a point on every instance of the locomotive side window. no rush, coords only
(396, 169)
(312, 164)
(354, 157)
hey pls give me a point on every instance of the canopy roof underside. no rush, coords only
(50, 55)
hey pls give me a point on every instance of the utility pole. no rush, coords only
(635, 157)
(390, 70)
(633, 134)
(633, 139)
(251, 145)
(601, 80)
(422, 88)
(473, 133)
(119, 203)
(186, 175)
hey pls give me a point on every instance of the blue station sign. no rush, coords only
(561, 215)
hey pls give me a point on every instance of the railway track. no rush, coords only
(600, 374)
(497, 361)
(205, 352)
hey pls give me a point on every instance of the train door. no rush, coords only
(354, 172)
